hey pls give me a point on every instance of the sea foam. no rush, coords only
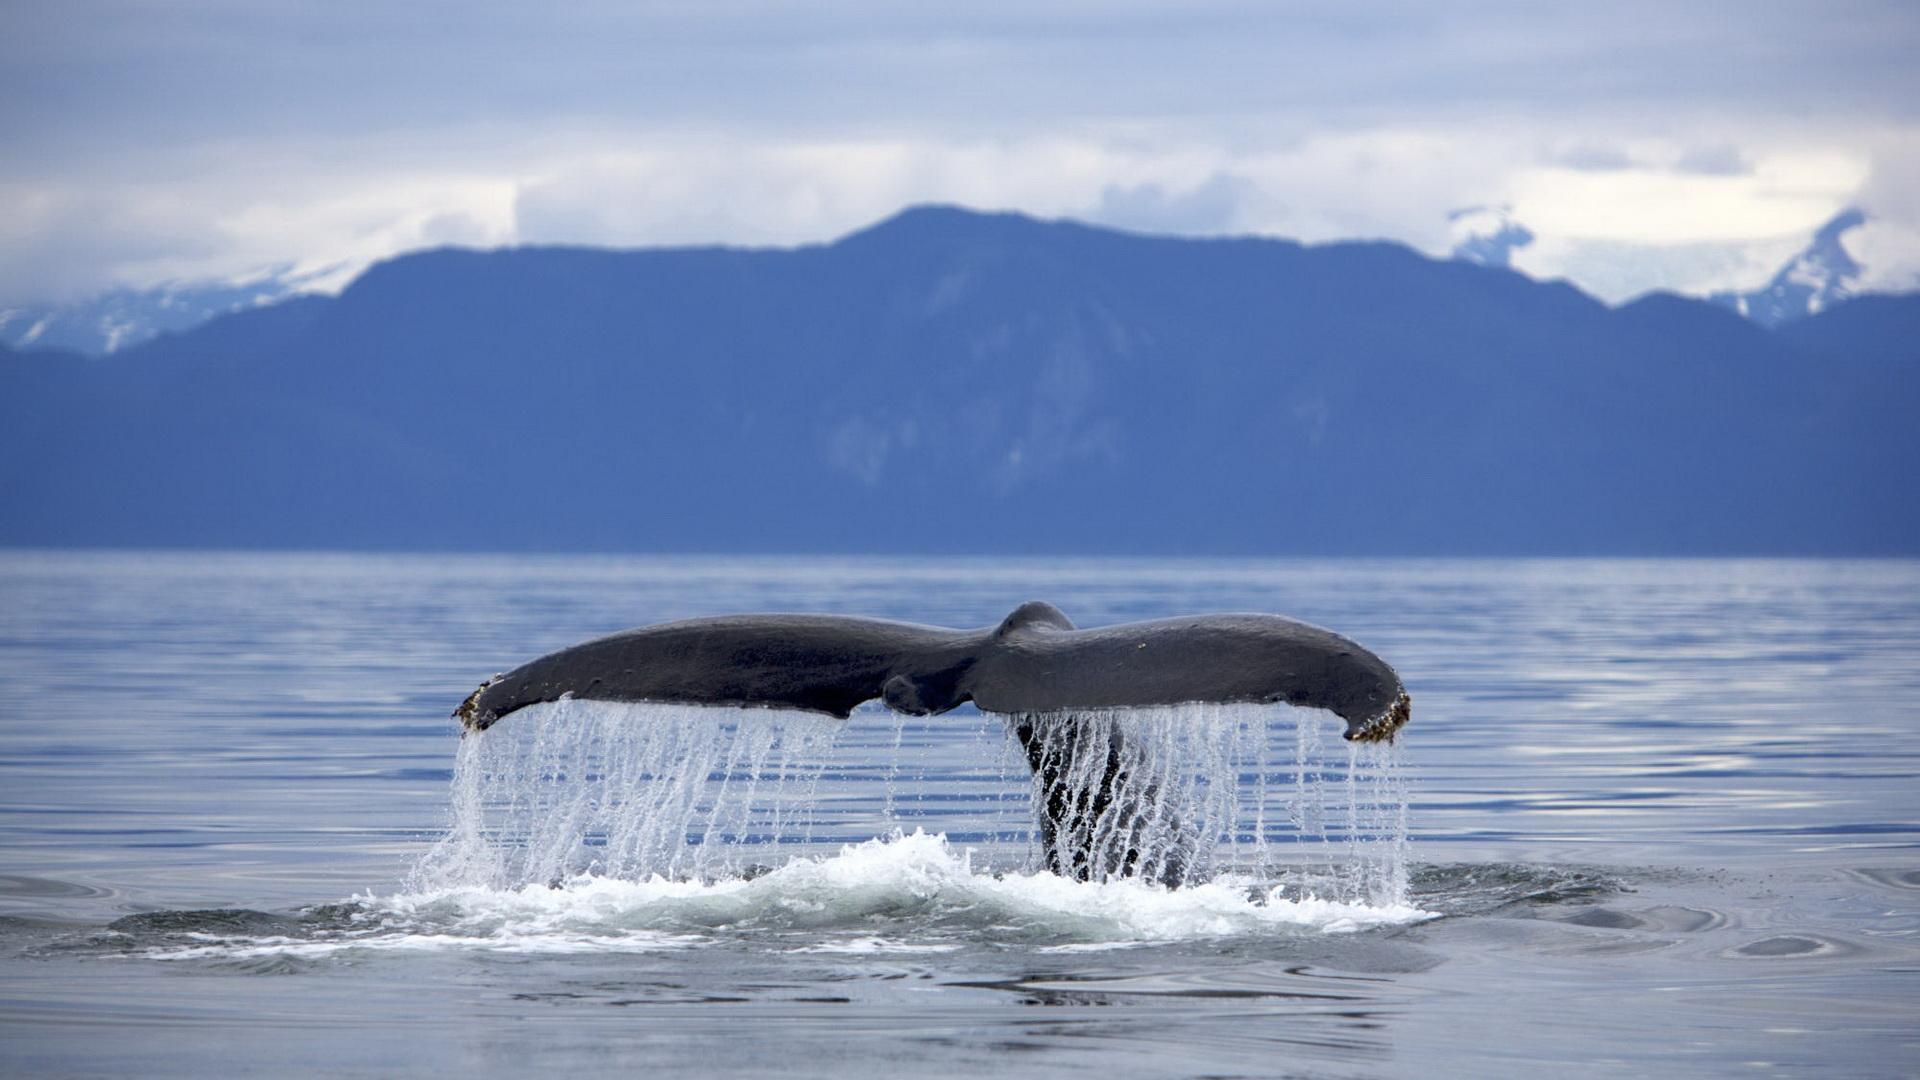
(595, 826)
(905, 893)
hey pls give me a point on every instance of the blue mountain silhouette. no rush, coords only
(955, 381)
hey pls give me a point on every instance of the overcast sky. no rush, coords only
(1677, 145)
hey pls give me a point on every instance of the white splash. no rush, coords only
(908, 893)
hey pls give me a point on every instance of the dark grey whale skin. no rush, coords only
(1034, 662)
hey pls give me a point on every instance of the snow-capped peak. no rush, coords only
(1820, 276)
(122, 317)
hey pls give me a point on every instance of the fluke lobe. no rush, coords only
(1035, 662)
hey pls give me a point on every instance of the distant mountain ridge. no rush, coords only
(953, 381)
(1818, 277)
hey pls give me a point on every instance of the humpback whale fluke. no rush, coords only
(1035, 662)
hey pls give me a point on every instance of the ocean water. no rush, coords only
(1650, 818)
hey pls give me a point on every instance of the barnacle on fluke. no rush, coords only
(1383, 727)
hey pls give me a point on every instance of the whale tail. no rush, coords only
(1035, 664)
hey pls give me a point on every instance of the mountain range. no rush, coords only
(1823, 274)
(955, 381)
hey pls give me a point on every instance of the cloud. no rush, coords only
(1487, 235)
(1888, 254)
(1887, 247)
(1713, 159)
(62, 242)
(1788, 192)
(641, 188)
(1214, 206)
(677, 190)
(1590, 157)
(149, 142)
(1617, 271)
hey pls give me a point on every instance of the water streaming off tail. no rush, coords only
(1187, 793)
(627, 790)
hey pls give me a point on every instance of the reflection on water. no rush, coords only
(1667, 811)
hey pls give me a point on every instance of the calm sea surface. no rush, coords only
(1664, 819)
